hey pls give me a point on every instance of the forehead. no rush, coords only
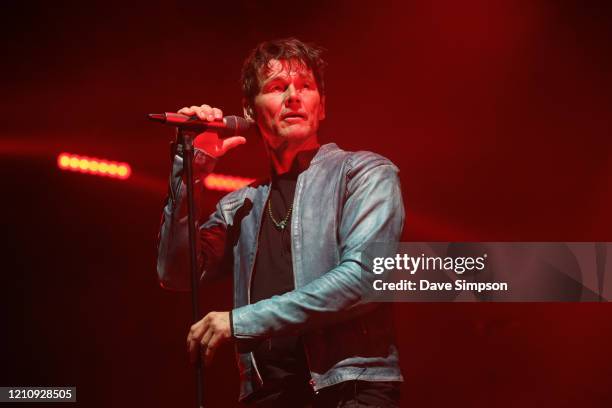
(284, 68)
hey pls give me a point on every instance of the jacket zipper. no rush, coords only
(263, 211)
(297, 195)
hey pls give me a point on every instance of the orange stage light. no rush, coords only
(223, 182)
(91, 165)
(107, 168)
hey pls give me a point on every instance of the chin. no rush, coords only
(296, 134)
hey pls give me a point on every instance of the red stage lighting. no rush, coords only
(91, 165)
(222, 182)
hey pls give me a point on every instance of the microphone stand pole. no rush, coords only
(187, 141)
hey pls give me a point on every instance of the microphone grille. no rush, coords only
(236, 124)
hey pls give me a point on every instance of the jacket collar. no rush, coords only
(324, 151)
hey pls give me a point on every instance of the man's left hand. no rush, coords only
(208, 334)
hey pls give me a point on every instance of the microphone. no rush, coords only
(230, 126)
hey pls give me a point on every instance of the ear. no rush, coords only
(247, 110)
(322, 109)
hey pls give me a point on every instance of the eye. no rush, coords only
(275, 86)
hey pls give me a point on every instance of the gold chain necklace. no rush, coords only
(280, 225)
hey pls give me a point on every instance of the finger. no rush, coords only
(205, 112)
(232, 142)
(195, 331)
(193, 348)
(186, 111)
(211, 350)
(193, 340)
(208, 111)
(203, 344)
(206, 338)
(199, 111)
(189, 336)
(217, 113)
(208, 355)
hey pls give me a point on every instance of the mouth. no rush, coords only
(293, 116)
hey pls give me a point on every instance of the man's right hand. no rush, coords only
(209, 141)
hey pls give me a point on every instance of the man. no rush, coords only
(304, 334)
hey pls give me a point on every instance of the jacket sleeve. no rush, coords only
(173, 244)
(372, 212)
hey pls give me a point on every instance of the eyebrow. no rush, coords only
(283, 76)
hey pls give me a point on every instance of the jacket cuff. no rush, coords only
(241, 317)
(203, 164)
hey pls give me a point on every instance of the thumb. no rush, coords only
(232, 142)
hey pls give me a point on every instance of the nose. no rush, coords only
(293, 96)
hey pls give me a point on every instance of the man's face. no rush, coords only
(288, 106)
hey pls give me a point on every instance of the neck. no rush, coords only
(285, 155)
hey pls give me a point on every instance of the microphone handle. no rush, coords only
(229, 126)
(192, 122)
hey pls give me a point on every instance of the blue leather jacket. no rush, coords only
(343, 201)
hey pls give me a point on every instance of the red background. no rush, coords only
(496, 113)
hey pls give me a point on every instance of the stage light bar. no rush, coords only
(223, 182)
(91, 165)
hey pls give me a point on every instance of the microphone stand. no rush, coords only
(187, 141)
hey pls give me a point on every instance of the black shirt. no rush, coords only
(281, 360)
